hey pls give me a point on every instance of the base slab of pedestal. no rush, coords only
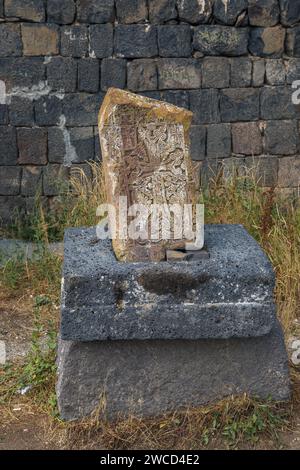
(149, 378)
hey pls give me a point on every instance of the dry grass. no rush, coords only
(233, 422)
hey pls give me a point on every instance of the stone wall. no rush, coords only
(232, 62)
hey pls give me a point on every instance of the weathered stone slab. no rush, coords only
(228, 295)
(145, 148)
(147, 378)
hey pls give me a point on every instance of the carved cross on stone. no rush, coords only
(145, 149)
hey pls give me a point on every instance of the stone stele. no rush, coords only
(145, 149)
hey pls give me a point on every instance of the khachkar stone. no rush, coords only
(145, 148)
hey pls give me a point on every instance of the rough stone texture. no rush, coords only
(221, 40)
(267, 42)
(177, 97)
(48, 111)
(290, 12)
(145, 148)
(239, 104)
(281, 137)
(54, 177)
(275, 72)
(82, 139)
(241, 72)
(21, 111)
(61, 11)
(29, 10)
(31, 181)
(198, 142)
(205, 106)
(10, 40)
(193, 11)
(95, 11)
(10, 208)
(142, 75)
(161, 11)
(174, 40)
(276, 103)
(101, 40)
(74, 41)
(263, 12)
(56, 145)
(219, 141)
(113, 73)
(179, 73)
(134, 11)
(246, 138)
(88, 75)
(228, 11)
(8, 146)
(105, 299)
(40, 39)
(134, 41)
(10, 177)
(215, 72)
(22, 71)
(293, 41)
(32, 144)
(286, 177)
(292, 70)
(258, 74)
(87, 109)
(62, 74)
(264, 169)
(3, 114)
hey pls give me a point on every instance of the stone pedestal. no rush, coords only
(147, 338)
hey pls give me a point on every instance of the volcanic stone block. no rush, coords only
(32, 144)
(290, 12)
(292, 70)
(205, 106)
(82, 139)
(174, 40)
(61, 11)
(40, 39)
(62, 74)
(10, 178)
(10, 208)
(216, 298)
(193, 12)
(177, 97)
(241, 72)
(218, 141)
(134, 41)
(264, 170)
(263, 12)
(131, 11)
(239, 104)
(95, 11)
(289, 172)
(86, 106)
(179, 73)
(48, 110)
(101, 40)
(54, 179)
(228, 12)
(113, 73)
(161, 11)
(1, 8)
(246, 138)
(139, 137)
(293, 41)
(267, 42)
(221, 40)
(276, 103)
(22, 71)
(29, 10)
(209, 370)
(21, 111)
(142, 75)
(3, 114)
(215, 72)
(31, 181)
(56, 145)
(198, 142)
(281, 137)
(275, 72)
(10, 40)
(8, 146)
(88, 75)
(74, 41)
(258, 74)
